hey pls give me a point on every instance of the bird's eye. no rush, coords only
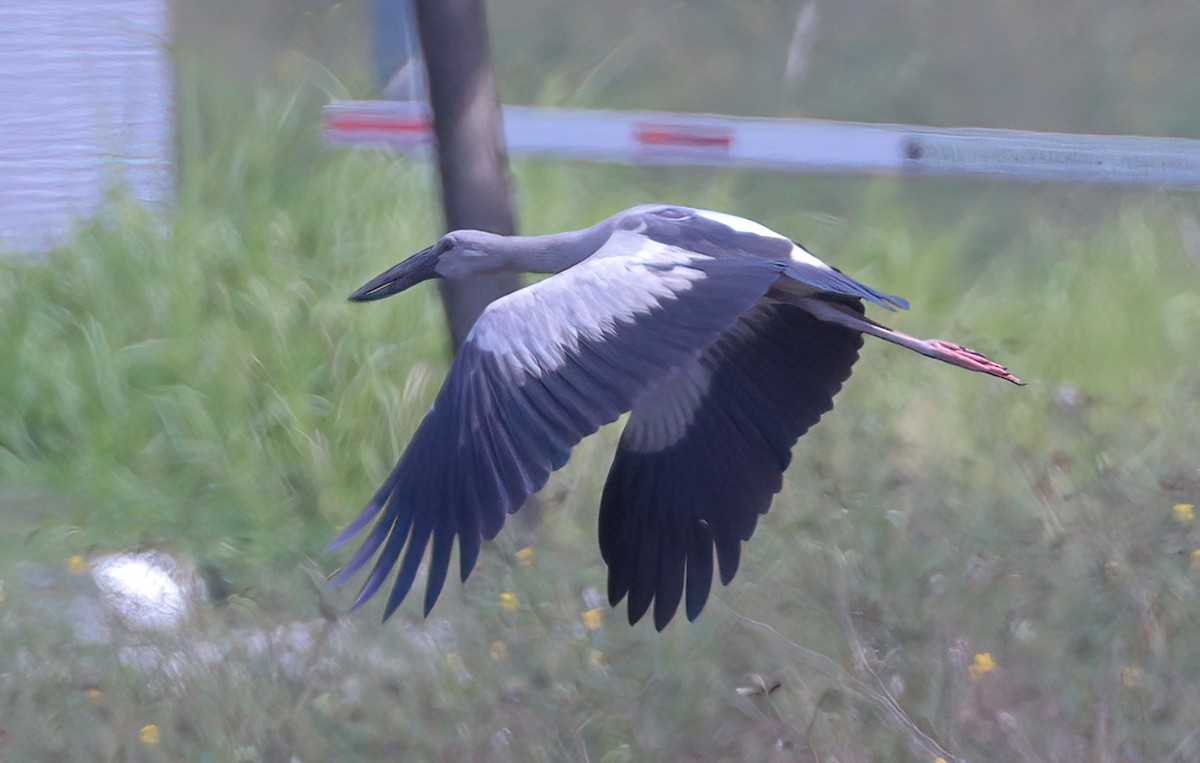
(672, 213)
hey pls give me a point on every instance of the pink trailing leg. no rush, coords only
(947, 352)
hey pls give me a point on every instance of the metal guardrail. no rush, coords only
(792, 145)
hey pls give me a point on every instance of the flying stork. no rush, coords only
(724, 340)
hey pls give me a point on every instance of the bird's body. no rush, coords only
(723, 339)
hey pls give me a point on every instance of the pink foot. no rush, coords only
(969, 359)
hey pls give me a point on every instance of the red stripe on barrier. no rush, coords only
(361, 123)
(683, 136)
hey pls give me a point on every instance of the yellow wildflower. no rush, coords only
(1195, 557)
(94, 697)
(1184, 512)
(499, 651)
(1131, 676)
(939, 760)
(593, 619)
(76, 565)
(149, 735)
(982, 664)
(509, 602)
(596, 659)
(525, 557)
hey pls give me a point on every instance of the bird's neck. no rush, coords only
(551, 253)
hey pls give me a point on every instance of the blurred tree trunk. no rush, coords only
(471, 159)
(474, 168)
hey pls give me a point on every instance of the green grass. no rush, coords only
(195, 380)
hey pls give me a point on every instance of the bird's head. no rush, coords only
(457, 254)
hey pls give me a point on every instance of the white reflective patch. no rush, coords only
(742, 225)
(148, 590)
(536, 328)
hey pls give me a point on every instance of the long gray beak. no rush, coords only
(417, 268)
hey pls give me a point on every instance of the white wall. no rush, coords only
(85, 101)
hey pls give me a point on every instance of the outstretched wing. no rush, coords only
(542, 368)
(704, 453)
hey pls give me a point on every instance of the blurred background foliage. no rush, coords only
(194, 380)
(1102, 66)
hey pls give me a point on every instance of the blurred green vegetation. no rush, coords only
(1104, 66)
(194, 380)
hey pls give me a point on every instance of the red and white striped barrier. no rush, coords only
(791, 145)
